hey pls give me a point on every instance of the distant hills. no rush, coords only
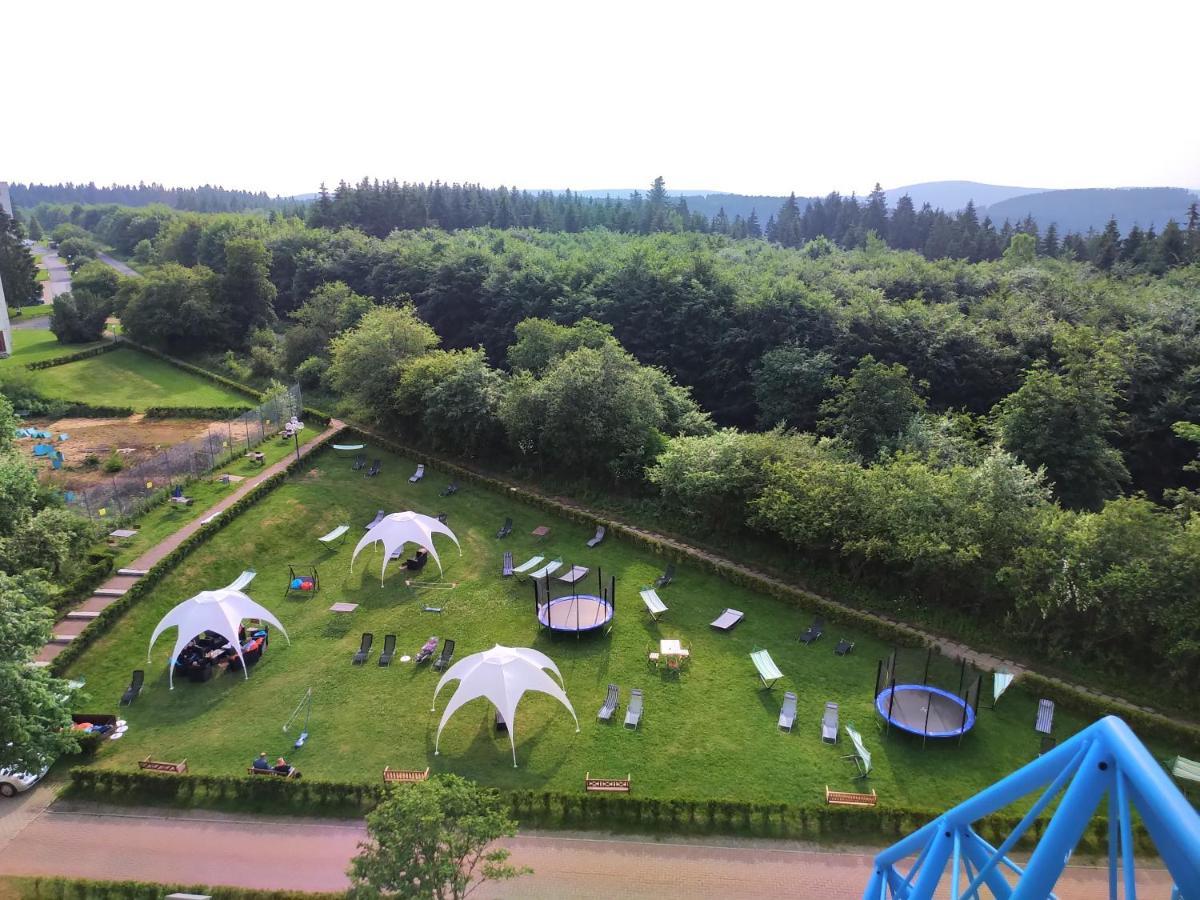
(1079, 210)
(953, 195)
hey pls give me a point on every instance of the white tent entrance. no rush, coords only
(402, 528)
(502, 675)
(219, 612)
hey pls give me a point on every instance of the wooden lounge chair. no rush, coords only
(364, 649)
(360, 460)
(666, 577)
(576, 573)
(134, 689)
(843, 647)
(507, 566)
(375, 467)
(726, 620)
(829, 723)
(1045, 716)
(653, 603)
(815, 630)
(417, 475)
(530, 563)
(380, 515)
(389, 650)
(787, 714)
(451, 488)
(768, 672)
(633, 715)
(506, 528)
(598, 538)
(444, 659)
(339, 532)
(611, 701)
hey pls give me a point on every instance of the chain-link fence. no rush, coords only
(128, 492)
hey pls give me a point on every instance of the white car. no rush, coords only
(13, 783)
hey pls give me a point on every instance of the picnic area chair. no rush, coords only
(611, 702)
(1180, 767)
(364, 649)
(417, 475)
(241, 581)
(506, 528)
(447, 652)
(844, 646)
(339, 532)
(815, 630)
(375, 467)
(380, 515)
(135, 688)
(389, 650)
(768, 672)
(451, 488)
(829, 723)
(598, 538)
(360, 460)
(442, 517)
(1045, 716)
(507, 568)
(726, 620)
(860, 756)
(787, 715)
(633, 715)
(576, 573)
(528, 564)
(666, 577)
(548, 569)
(653, 603)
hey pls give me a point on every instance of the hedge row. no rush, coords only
(97, 568)
(196, 412)
(88, 411)
(106, 347)
(1149, 724)
(41, 887)
(159, 570)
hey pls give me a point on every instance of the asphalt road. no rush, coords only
(60, 275)
(119, 266)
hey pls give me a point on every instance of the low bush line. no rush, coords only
(42, 887)
(107, 347)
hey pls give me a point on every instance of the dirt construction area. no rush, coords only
(91, 443)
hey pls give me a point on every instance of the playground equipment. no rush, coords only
(575, 612)
(921, 708)
(303, 579)
(304, 705)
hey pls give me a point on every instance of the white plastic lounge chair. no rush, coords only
(768, 672)
(727, 619)
(419, 474)
(787, 714)
(380, 515)
(653, 603)
(339, 532)
(1045, 716)
(611, 702)
(528, 564)
(548, 569)
(576, 573)
(861, 757)
(633, 715)
(829, 723)
(241, 581)
(1185, 769)
(506, 566)
(598, 538)
(348, 447)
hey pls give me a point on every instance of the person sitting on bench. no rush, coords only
(262, 763)
(282, 768)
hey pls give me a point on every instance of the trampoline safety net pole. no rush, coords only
(928, 658)
(962, 673)
(891, 701)
(928, 709)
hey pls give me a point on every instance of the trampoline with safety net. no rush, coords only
(577, 612)
(910, 703)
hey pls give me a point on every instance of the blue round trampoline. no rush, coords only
(925, 711)
(575, 613)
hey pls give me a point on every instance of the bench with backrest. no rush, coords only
(290, 773)
(390, 774)
(155, 765)
(849, 798)
(607, 785)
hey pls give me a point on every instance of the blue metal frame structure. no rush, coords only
(1103, 759)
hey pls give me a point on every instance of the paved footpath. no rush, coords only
(92, 841)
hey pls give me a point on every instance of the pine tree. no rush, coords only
(1108, 247)
(753, 229)
(902, 230)
(720, 222)
(1050, 241)
(875, 213)
(787, 225)
(1172, 247)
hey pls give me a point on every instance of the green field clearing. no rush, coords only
(123, 377)
(708, 733)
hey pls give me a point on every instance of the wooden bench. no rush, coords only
(607, 785)
(404, 774)
(155, 765)
(290, 773)
(848, 798)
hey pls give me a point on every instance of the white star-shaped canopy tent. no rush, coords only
(402, 528)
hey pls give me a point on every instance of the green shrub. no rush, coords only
(114, 463)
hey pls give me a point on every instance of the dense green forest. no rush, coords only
(205, 198)
(997, 440)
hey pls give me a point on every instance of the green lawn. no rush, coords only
(709, 733)
(123, 377)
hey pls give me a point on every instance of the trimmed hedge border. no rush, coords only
(1146, 721)
(88, 411)
(109, 616)
(195, 412)
(73, 357)
(45, 887)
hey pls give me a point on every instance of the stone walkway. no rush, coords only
(79, 618)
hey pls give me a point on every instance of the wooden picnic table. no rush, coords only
(541, 532)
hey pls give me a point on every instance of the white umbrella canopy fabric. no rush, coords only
(502, 675)
(402, 528)
(221, 612)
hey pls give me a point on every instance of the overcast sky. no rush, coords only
(749, 97)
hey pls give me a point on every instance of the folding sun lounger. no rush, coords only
(598, 538)
(364, 649)
(666, 577)
(528, 564)
(862, 758)
(653, 603)
(380, 515)
(418, 475)
(768, 672)
(548, 569)
(829, 723)
(844, 646)
(576, 573)
(633, 715)
(507, 566)
(726, 620)
(1045, 717)
(815, 630)
(360, 460)
(451, 488)
(375, 467)
(389, 650)
(135, 687)
(339, 532)
(447, 652)
(505, 529)
(787, 715)
(241, 581)
(611, 702)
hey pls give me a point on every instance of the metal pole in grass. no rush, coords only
(296, 438)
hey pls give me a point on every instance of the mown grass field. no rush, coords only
(123, 377)
(708, 733)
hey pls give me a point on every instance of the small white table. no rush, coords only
(670, 648)
(122, 533)
(343, 607)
